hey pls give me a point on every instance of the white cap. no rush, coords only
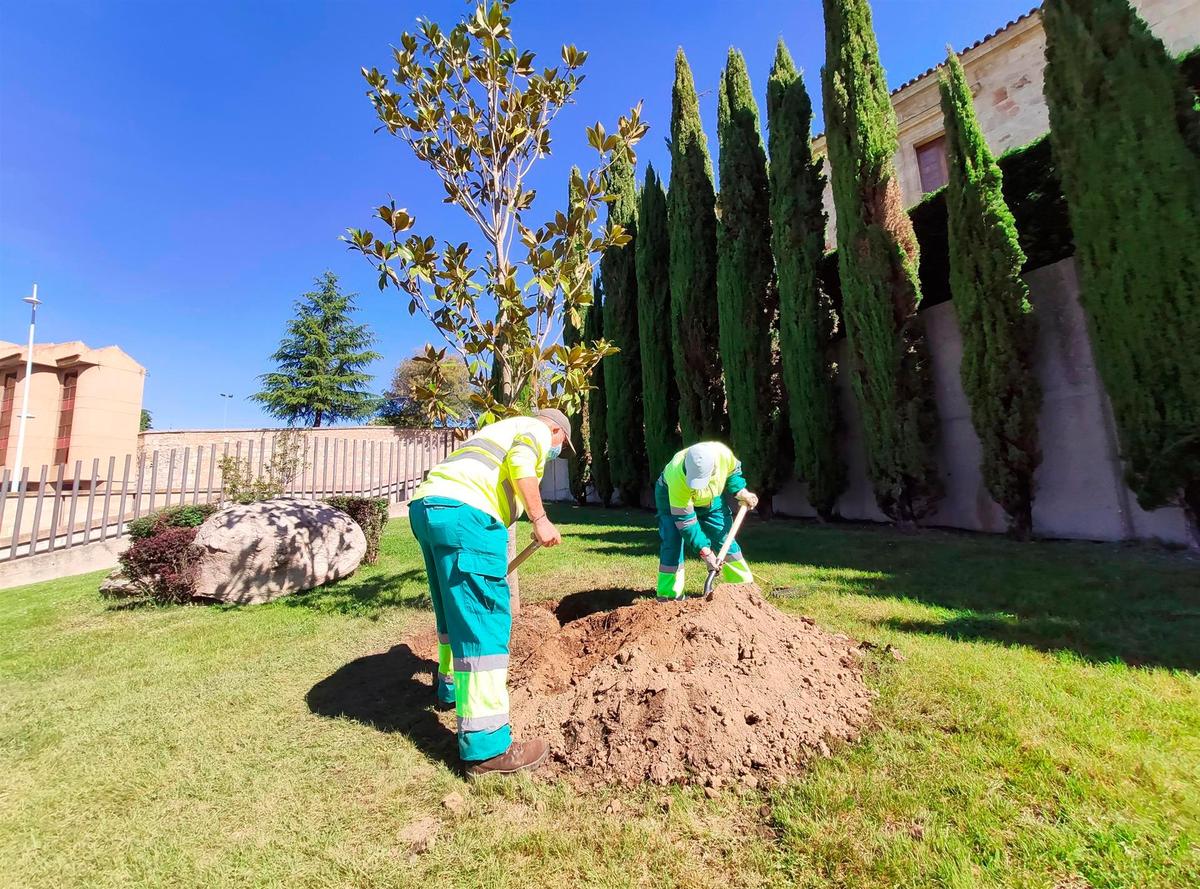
(699, 465)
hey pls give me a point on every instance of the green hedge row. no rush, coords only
(371, 514)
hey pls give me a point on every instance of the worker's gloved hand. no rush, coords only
(545, 533)
(710, 559)
(749, 498)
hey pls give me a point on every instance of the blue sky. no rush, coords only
(174, 174)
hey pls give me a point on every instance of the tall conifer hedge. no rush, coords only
(623, 371)
(598, 470)
(692, 219)
(992, 303)
(660, 397)
(578, 462)
(877, 260)
(1125, 133)
(806, 319)
(746, 296)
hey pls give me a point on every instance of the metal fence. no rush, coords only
(60, 506)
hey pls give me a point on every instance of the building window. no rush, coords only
(66, 414)
(7, 403)
(931, 162)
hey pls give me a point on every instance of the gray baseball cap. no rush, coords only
(559, 419)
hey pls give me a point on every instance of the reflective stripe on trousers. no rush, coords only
(466, 560)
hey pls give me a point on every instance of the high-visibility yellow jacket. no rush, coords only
(483, 470)
(683, 501)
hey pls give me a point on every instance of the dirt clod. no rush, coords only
(646, 692)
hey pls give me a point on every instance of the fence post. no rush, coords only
(87, 527)
(124, 494)
(153, 481)
(112, 464)
(16, 534)
(170, 478)
(37, 512)
(4, 492)
(74, 502)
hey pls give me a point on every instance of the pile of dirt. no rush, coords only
(692, 692)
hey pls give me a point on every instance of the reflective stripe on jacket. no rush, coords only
(683, 501)
(483, 470)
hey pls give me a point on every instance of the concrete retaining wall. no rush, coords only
(1080, 489)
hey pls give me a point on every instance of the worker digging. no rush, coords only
(724, 688)
(460, 516)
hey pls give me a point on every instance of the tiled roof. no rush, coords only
(978, 43)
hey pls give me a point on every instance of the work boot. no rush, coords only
(519, 757)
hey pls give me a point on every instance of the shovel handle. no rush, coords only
(523, 555)
(733, 529)
(710, 581)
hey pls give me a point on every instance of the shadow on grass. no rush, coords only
(391, 691)
(1104, 602)
(366, 593)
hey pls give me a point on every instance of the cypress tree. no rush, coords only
(1122, 119)
(877, 264)
(578, 463)
(660, 398)
(992, 302)
(692, 219)
(623, 371)
(593, 329)
(806, 317)
(746, 295)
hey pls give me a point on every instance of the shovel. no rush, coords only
(711, 580)
(523, 555)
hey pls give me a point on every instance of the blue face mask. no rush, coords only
(553, 453)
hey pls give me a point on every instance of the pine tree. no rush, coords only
(877, 264)
(593, 330)
(746, 295)
(692, 219)
(660, 397)
(321, 377)
(992, 303)
(806, 318)
(1122, 120)
(623, 371)
(579, 462)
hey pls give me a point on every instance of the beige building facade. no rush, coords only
(84, 404)
(1006, 73)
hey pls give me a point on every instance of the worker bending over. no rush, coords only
(460, 516)
(692, 513)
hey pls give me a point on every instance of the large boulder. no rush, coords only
(260, 551)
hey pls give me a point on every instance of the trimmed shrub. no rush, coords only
(692, 218)
(189, 516)
(598, 403)
(162, 566)
(660, 396)
(806, 320)
(891, 372)
(370, 514)
(992, 303)
(747, 300)
(1127, 138)
(623, 371)
(579, 458)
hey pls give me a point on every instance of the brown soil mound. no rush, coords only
(697, 691)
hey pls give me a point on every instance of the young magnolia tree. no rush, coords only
(575, 332)
(472, 105)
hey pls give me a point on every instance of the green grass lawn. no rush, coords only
(1043, 729)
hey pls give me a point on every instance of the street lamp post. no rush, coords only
(228, 398)
(19, 463)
